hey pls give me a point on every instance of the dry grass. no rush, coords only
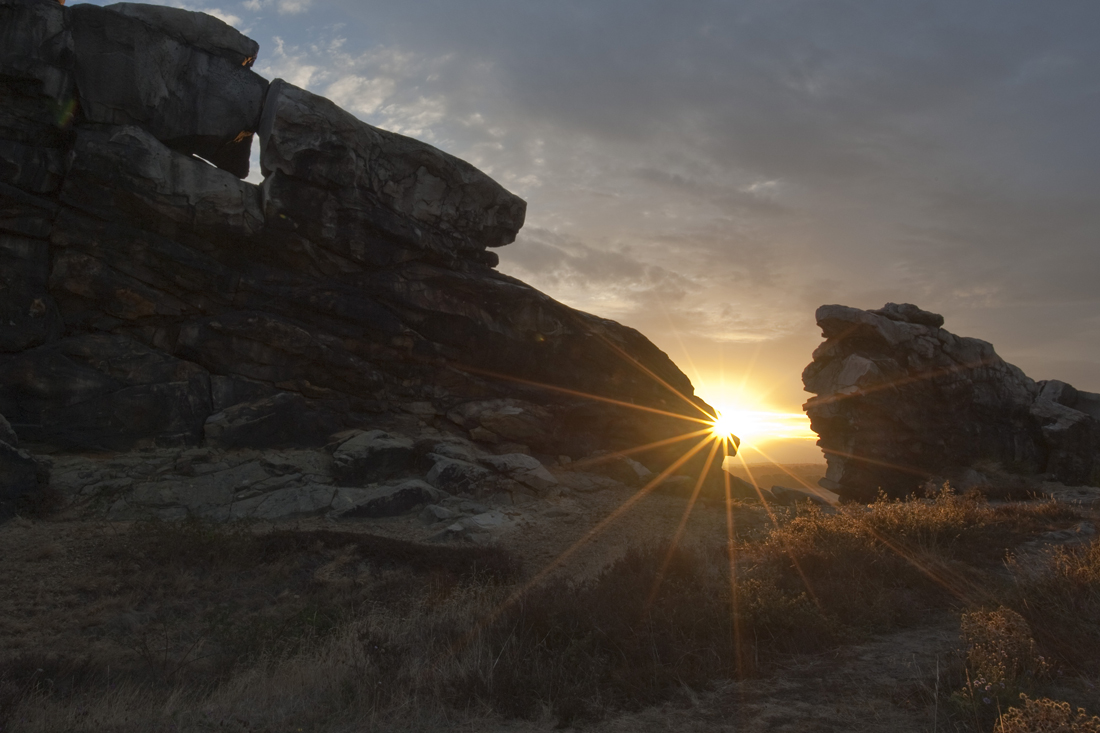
(195, 627)
(1061, 599)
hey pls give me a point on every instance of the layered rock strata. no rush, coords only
(150, 297)
(901, 401)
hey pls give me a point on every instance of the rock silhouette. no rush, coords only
(900, 401)
(152, 298)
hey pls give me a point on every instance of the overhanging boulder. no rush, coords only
(372, 195)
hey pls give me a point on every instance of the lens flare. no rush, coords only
(760, 426)
(724, 427)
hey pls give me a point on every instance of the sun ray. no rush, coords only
(683, 521)
(786, 548)
(784, 469)
(639, 449)
(619, 511)
(884, 464)
(952, 582)
(646, 370)
(588, 536)
(752, 365)
(683, 349)
(576, 393)
(955, 584)
(735, 615)
(759, 493)
(902, 381)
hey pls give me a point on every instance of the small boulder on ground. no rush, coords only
(286, 419)
(523, 468)
(285, 503)
(455, 476)
(384, 501)
(435, 513)
(371, 456)
(623, 469)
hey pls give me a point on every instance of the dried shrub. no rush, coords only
(1002, 661)
(1047, 716)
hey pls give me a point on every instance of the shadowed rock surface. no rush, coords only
(154, 299)
(900, 401)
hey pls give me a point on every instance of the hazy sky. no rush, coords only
(711, 172)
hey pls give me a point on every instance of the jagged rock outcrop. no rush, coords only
(151, 297)
(900, 401)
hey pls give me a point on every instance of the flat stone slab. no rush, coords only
(384, 501)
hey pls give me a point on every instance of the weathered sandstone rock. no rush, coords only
(526, 469)
(901, 401)
(182, 76)
(19, 471)
(374, 196)
(37, 89)
(125, 173)
(104, 392)
(28, 315)
(150, 299)
(455, 476)
(384, 501)
(284, 419)
(371, 456)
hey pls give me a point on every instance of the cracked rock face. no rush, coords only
(151, 298)
(900, 401)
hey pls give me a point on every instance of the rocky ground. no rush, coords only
(74, 594)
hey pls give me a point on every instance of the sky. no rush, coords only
(710, 172)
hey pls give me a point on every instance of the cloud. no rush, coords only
(282, 7)
(722, 169)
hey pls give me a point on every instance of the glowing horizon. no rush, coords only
(766, 430)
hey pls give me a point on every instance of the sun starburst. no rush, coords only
(724, 427)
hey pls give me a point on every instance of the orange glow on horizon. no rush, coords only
(748, 408)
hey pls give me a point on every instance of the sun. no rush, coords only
(724, 427)
(755, 428)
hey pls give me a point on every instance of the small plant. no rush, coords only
(1001, 662)
(1046, 716)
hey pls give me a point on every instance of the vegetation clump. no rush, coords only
(1047, 716)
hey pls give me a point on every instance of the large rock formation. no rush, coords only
(901, 401)
(150, 297)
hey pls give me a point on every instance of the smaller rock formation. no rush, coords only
(901, 401)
